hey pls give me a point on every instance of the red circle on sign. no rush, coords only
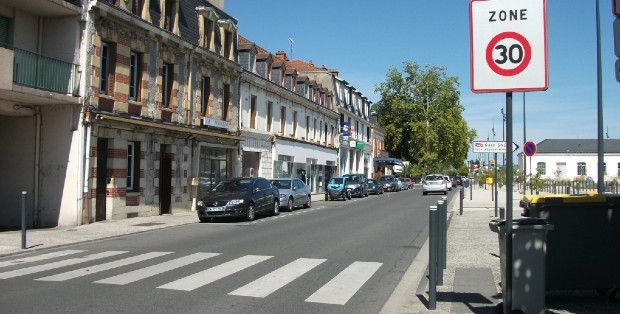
(518, 69)
(529, 149)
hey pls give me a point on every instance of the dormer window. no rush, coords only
(207, 17)
(170, 15)
(229, 33)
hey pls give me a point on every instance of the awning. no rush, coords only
(388, 161)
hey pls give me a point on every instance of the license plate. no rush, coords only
(215, 209)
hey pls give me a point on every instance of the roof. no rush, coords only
(304, 66)
(551, 146)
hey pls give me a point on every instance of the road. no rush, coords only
(336, 257)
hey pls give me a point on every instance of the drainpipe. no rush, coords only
(84, 172)
(37, 165)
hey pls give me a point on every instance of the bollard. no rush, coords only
(471, 195)
(461, 199)
(24, 220)
(496, 194)
(432, 267)
(440, 242)
(502, 213)
(444, 234)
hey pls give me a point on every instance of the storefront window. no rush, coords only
(213, 169)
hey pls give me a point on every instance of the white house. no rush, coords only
(572, 158)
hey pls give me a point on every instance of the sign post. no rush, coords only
(508, 53)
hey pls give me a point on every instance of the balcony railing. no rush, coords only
(41, 72)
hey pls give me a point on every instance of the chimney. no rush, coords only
(281, 55)
(334, 72)
(218, 4)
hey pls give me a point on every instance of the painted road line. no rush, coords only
(150, 271)
(103, 267)
(41, 257)
(210, 275)
(342, 287)
(277, 279)
(59, 264)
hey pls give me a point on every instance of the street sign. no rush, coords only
(529, 149)
(508, 42)
(492, 147)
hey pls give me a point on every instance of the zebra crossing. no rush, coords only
(337, 291)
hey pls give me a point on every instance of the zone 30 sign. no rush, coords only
(508, 45)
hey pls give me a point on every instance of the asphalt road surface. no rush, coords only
(336, 257)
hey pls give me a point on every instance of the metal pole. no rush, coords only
(508, 266)
(444, 237)
(462, 191)
(502, 213)
(432, 267)
(495, 185)
(601, 152)
(439, 244)
(24, 220)
(524, 140)
(471, 189)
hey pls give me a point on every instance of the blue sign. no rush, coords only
(345, 130)
(529, 149)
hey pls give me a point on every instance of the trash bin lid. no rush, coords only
(563, 199)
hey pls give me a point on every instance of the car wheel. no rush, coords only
(308, 202)
(424, 193)
(251, 214)
(204, 219)
(445, 193)
(289, 204)
(276, 208)
(326, 197)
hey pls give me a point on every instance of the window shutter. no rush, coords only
(4, 30)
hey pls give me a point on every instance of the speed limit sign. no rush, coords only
(508, 45)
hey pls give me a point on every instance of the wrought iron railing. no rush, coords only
(38, 71)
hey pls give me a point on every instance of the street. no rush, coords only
(335, 257)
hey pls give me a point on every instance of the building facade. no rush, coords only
(570, 159)
(288, 123)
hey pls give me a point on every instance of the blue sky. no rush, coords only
(363, 39)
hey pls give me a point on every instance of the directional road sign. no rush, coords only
(508, 45)
(529, 149)
(492, 147)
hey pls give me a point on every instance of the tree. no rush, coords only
(422, 117)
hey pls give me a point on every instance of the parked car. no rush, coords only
(389, 183)
(448, 182)
(434, 183)
(356, 183)
(409, 183)
(402, 184)
(239, 197)
(374, 187)
(293, 193)
(337, 189)
(459, 180)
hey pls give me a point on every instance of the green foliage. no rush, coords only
(422, 117)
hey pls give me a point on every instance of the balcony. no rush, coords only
(37, 71)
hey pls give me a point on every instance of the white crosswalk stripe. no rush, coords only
(103, 267)
(41, 257)
(59, 264)
(150, 271)
(277, 279)
(210, 275)
(342, 287)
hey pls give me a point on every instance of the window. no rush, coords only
(135, 76)
(104, 68)
(253, 112)
(541, 167)
(269, 115)
(314, 130)
(205, 92)
(581, 169)
(307, 127)
(4, 30)
(226, 102)
(283, 120)
(227, 44)
(169, 17)
(325, 134)
(136, 7)
(294, 123)
(167, 79)
(133, 166)
(208, 33)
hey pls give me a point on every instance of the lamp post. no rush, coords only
(503, 135)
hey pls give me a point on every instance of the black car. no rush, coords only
(374, 187)
(357, 184)
(389, 183)
(239, 197)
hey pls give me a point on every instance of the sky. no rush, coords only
(364, 39)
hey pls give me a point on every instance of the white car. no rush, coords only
(448, 182)
(434, 183)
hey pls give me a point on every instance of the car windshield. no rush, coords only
(387, 179)
(434, 178)
(336, 181)
(371, 181)
(353, 178)
(242, 185)
(282, 184)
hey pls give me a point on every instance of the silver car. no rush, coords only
(293, 193)
(434, 183)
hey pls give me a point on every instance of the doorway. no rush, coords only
(165, 180)
(102, 179)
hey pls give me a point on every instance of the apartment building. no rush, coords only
(288, 124)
